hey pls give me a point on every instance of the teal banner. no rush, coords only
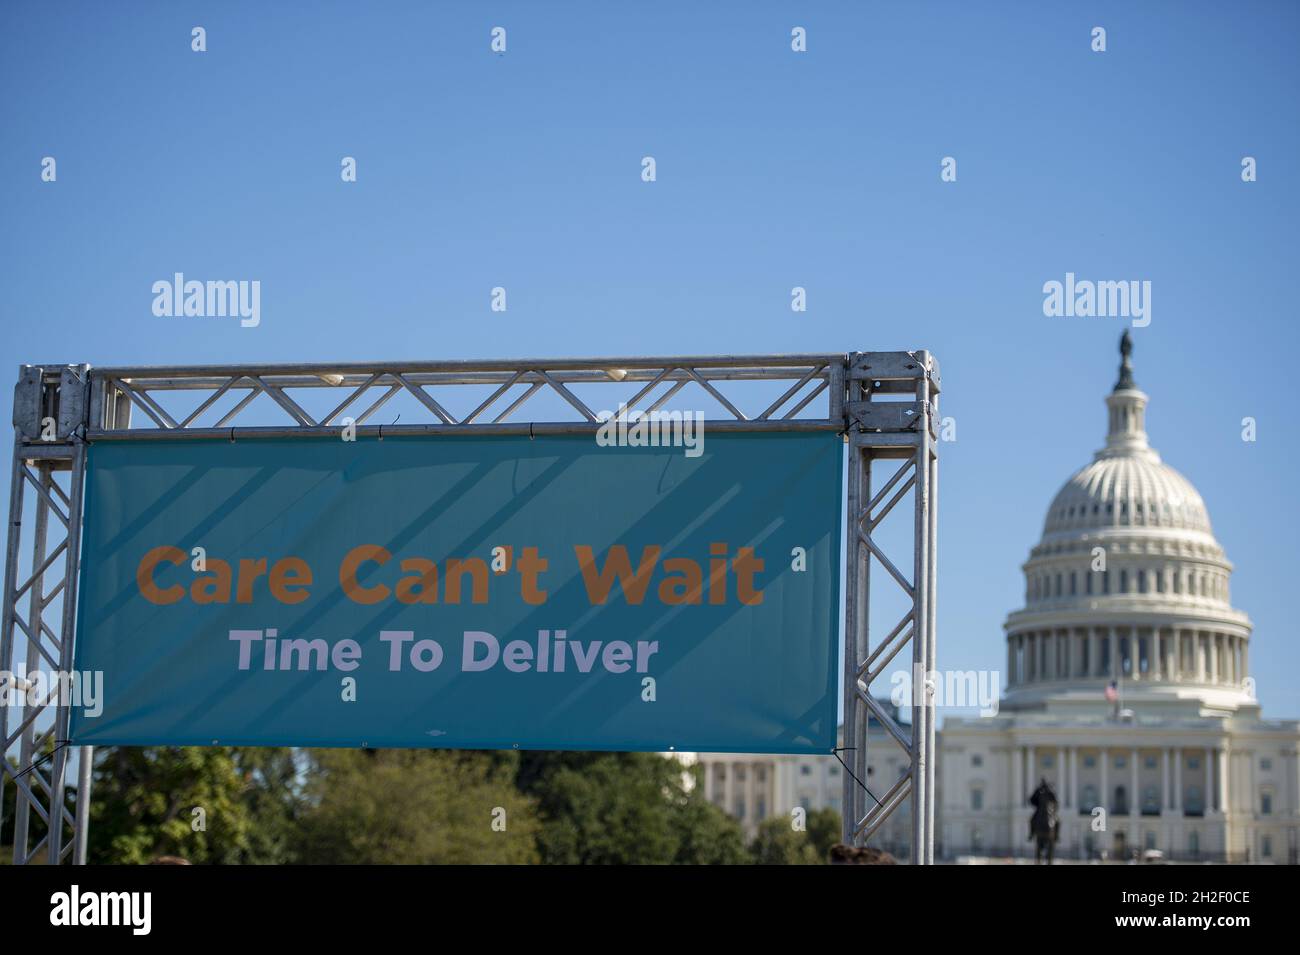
(464, 592)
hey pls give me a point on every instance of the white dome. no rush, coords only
(1128, 584)
(1125, 490)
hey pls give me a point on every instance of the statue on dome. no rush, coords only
(1126, 363)
(1044, 824)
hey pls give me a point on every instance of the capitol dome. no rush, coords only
(1128, 584)
(1125, 490)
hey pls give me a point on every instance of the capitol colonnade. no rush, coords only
(1180, 652)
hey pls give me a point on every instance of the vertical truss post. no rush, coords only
(884, 427)
(50, 426)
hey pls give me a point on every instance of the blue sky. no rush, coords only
(775, 169)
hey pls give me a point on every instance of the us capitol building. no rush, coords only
(1127, 590)
(1127, 585)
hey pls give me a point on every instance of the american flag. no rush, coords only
(1112, 692)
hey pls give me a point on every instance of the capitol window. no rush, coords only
(976, 759)
(1266, 803)
(1266, 764)
(1151, 801)
(977, 799)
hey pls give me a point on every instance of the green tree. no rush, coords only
(272, 793)
(414, 807)
(824, 830)
(779, 843)
(624, 808)
(144, 804)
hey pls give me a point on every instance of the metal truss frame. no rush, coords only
(906, 432)
(59, 410)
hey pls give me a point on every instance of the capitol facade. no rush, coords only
(1129, 688)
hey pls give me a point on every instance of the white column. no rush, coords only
(1245, 657)
(1104, 759)
(1115, 664)
(1209, 781)
(1094, 657)
(1164, 779)
(1214, 657)
(1073, 791)
(1062, 783)
(1011, 658)
(1178, 778)
(1134, 803)
(729, 788)
(1017, 787)
(1224, 805)
(1201, 652)
(1156, 667)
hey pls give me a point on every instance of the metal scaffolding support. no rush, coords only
(60, 410)
(905, 432)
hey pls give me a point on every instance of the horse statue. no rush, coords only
(1044, 824)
